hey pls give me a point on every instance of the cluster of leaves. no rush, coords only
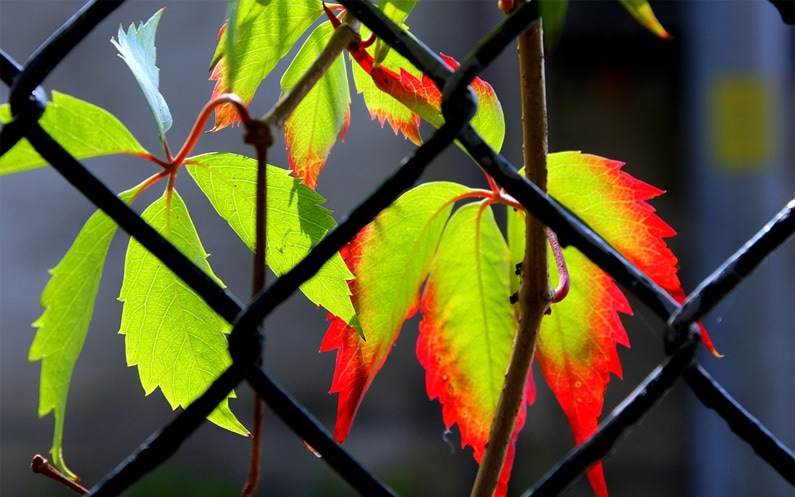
(453, 265)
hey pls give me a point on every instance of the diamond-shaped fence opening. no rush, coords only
(681, 338)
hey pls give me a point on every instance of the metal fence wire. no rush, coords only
(458, 106)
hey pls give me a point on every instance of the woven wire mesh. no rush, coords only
(681, 339)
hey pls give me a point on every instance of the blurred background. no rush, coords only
(707, 116)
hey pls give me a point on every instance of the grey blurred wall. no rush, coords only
(614, 90)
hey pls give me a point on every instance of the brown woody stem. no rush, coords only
(40, 465)
(344, 35)
(260, 134)
(535, 293)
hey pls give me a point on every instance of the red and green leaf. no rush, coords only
(390, 258)
(468, 321)
(642, 12)
(323, 115)
(419, 94)
(263, 33)
(577, 343)
(385, 107)
(614, 204)
(468, 326)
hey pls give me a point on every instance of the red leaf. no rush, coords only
(358, 361)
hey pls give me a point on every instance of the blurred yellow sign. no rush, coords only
(741, 122)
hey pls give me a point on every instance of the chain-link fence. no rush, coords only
(246, 343)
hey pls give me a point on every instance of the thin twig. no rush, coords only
(40, 465)
(344, 35)
(261, 135)
(535, 293)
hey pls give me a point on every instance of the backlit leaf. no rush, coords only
(614, 204)
(577, 348)
(83, 129)
(264, 33)
(642, 12)
(296, 221)
(396, 11)
(617, 210)
(383, 106)
(177, 342)
(68, 302)
(577, 342)
(468, 326)
(390, 258)
(323, 115)
(553, 15)
(137, 48)
(421, 96)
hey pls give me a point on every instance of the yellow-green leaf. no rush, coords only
(296, 222)
(68, 301)
(263, 33)
(177, 342)
(642, 12)
(322, 115)
(83, 129)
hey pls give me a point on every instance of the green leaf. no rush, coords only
(263, 32)
(322, 115)
(553, 14)
(468, 326)
(397, 11)
(68, 302)
(171, 334)
(137, 49)
(83, 129)
(296, 222)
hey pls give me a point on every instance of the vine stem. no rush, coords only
(346, 34)
(535, 293)
(40, 465)
(260, 133)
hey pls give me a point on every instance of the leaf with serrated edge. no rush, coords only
(296, 221)
(577, 349)
(68, 302)
(420, 94)
(642, 12)
(390, 258)
(383, 106)
(83, 129)
(137, 48)
(323, 114)
(175, 339)
(264, 34)
(467, 329)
